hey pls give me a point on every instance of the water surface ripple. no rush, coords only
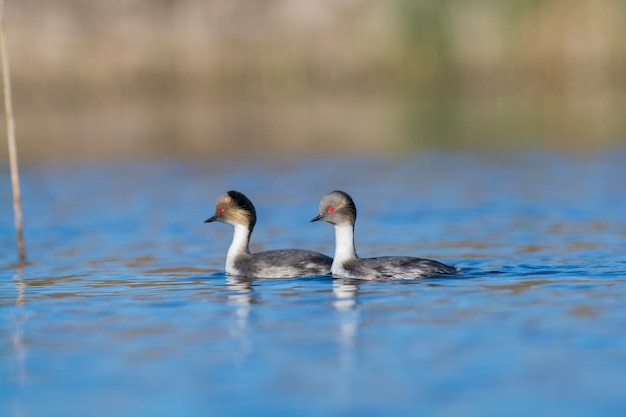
(124, 309)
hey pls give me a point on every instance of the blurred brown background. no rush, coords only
(145, 78)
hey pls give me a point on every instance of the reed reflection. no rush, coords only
(21, 317)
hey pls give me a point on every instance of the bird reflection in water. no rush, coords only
(345, 291)
(243, 294)
(242, 298)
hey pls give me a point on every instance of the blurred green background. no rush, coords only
(196, 78)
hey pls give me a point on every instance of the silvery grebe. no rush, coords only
(236, 209)
(338, 209)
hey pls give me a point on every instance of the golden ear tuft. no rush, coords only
(230, 211)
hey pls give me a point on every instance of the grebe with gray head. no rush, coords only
(236, 209)
(338, 209)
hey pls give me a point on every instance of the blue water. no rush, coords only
(124, 309)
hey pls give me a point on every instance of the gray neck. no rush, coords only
(239, 246)
(344, 243)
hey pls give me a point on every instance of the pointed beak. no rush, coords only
(211, 219)
(316, 218)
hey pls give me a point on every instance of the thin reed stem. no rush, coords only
(8, 108)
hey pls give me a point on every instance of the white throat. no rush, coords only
(344, 244)
(239, 246)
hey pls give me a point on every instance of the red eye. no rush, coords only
(331, 209)
(221, 211)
